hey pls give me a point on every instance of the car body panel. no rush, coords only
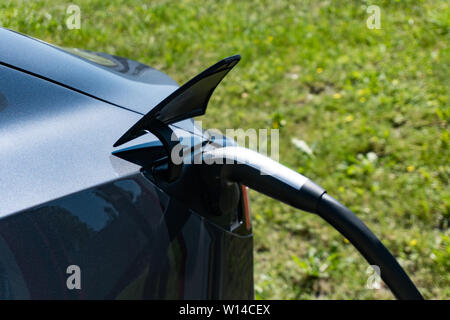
(125, 83)
(65, 199)
(43, 137)
(54, 141)
(130, 241)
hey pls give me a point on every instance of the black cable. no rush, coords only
(277, 181)
(348, 224)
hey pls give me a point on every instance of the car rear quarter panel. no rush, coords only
(130, 241)
(65, 200)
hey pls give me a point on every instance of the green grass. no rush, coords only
(371, 104)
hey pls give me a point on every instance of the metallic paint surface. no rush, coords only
(66, 200)
(54, 141)
(138, 88)
(130, 240)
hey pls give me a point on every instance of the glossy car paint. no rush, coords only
(130, 240)
(119, 81)
(66, 200)
(108, 81)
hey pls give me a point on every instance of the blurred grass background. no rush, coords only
(371, 105)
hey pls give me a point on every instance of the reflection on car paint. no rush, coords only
(129, 240)
(3, 102)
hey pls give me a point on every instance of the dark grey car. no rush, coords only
(109, 190)
(65, 200)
